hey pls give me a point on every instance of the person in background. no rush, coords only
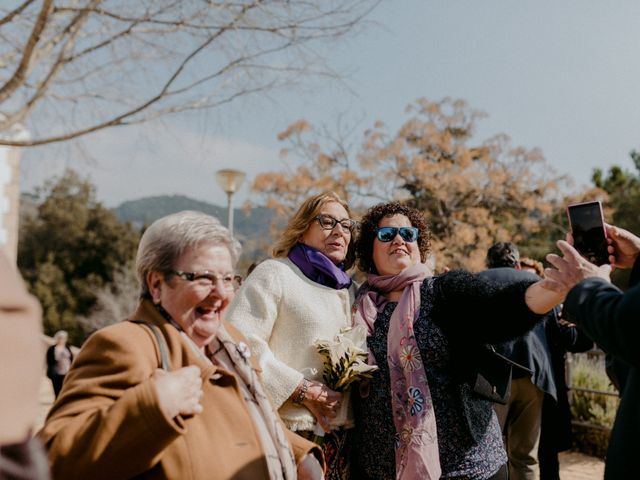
(555, 429)
(520, 418)
(21, 456)
(610, 317)
(173, 392)
(532, 266)
(418, 420)
(289, 302)
(59, 358)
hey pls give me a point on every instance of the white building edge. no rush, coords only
(10, 192)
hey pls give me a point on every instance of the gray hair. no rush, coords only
(168, 238)
(61, 334)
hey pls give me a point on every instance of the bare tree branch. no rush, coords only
(41, 89)
(91, 64)
(15, 12)
(14, 82)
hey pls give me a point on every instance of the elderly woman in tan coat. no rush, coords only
(173, 392)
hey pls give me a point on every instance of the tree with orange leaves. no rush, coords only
(473, 193)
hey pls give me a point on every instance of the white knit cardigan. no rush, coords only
(283, 313)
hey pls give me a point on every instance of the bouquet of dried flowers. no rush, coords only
(345, 362)
(345, 358)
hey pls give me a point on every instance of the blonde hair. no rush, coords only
(304, 216)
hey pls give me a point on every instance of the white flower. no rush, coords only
(345, 358)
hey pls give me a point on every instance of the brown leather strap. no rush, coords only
(162, 343)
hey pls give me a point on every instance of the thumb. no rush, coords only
(158, 373)
(606, 268)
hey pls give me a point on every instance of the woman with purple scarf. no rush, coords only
(289, 302)
(418, 419)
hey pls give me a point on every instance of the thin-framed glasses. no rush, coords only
(207, 279)
(327, 222)
(408, 234)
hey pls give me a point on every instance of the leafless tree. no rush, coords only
(73, 67)
(115, 301)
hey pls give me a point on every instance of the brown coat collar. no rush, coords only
(147, 312)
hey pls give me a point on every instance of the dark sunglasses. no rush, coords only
(327, 222)
(408, 234)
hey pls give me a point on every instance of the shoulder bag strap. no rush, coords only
(162, 343)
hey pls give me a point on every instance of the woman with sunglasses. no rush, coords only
(288, 303)
(418, 418)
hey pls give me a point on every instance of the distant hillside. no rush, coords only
(252, 229)
(145, 210)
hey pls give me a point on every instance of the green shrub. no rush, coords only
(596, 409)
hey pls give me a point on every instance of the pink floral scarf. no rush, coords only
(417, 454)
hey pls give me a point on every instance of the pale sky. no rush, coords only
(561, 76)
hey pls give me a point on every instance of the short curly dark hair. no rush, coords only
(369, 224)
(502, 254)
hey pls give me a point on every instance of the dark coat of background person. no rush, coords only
(555, 433)
(55, 378)
(530, 350)
(611, 318)
(543, 350)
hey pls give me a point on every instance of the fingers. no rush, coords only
(566, 323)
(557, 261)
(569, 238)
(568, 251)
(605, 269)
(324, 423)
(329, 409)
(552, 285)
(180, 391)
(190, 371)
(556, 282)
(193, 390)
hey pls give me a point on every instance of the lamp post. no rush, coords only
(230, 181)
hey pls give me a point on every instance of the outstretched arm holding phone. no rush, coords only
(610, 317)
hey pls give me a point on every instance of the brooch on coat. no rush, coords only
(244, 350)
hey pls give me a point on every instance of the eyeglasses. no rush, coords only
(207, 279)
(408, 234)
(327, 222)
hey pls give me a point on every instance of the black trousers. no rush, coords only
(502, 474)
(57, 380)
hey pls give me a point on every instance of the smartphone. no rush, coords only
(589, 234)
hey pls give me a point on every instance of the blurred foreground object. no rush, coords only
(20, 372)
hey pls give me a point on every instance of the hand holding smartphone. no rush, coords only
(588, 231)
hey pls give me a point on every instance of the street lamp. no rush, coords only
(230, 180)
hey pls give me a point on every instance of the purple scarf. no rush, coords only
(317, 267)
(417, 455)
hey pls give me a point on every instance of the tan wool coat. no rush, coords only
(108, 424)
